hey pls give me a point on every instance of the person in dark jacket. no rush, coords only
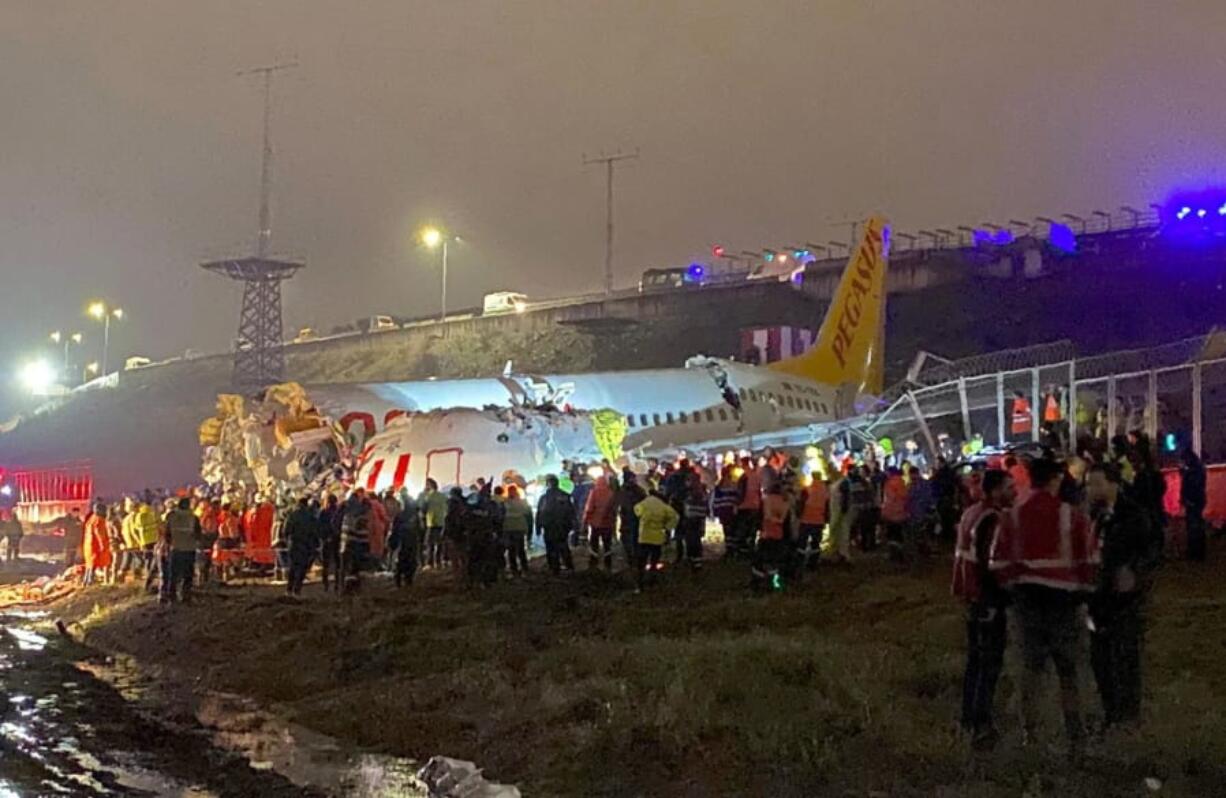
(300, 533)
(355, 539)
(406, 528)
(555, 519)
(628, 495)
(483, 527)
(1192, 495)
(1130, 553)
(329, 533)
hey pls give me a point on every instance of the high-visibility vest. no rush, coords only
(1021, 415)
(894, 499)
(1051, 408)
(753, 491)
(774, 515)
(1047, 542)
(816, 498)
(966, 583)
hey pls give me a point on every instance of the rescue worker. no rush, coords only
(894, 507)
(300, 532)
(181, 539)
(1130, 553)
(433, 505)
(517, 527)
(655, 518)
(724, 499)
(12, 532)
(975, 584)
(814, 505)
(599, 520)
(628, 495)
(748, 510)
(209, 515)
(355, 540)
(772, 552)
(380, 522)
(1048, 561)
(227, 552)
(1192, 495)
(555, 518)
(1021, 419)
(330, 542)
(258, 523)
(96, 544)
(406, 528)
(696, 505)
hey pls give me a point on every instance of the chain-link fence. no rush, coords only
(1170, 393)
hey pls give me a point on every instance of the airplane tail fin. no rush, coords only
(850, 345)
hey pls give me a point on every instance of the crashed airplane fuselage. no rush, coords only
(710, 404)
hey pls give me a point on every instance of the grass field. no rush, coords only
(847, 685)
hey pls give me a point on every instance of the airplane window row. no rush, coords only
(681, 417)
(782, 400)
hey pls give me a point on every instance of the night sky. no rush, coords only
(130, 148)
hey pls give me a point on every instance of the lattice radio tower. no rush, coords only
(258, 357)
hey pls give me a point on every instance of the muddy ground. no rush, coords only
(847, 685)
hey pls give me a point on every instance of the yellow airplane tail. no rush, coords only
(850, 346)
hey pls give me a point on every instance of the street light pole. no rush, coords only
(106, 339)
(443, 312)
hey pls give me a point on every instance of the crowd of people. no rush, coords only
(1048, 546)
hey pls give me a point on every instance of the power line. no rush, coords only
(608, 161)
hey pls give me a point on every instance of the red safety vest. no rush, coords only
(753, 491)
(1048, 543)
(1021, 416)
(816, 498)
(966, 584)
(774, 514)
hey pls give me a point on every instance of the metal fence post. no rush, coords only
(1072, 406)
(1036, 405)
(1110, 407)
(1000, 409)
(1151, 405)
(966, 410)
(1196, 408)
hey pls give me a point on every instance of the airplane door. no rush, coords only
(443, 466)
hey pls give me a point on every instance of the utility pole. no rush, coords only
(608, 161)
(265, 234)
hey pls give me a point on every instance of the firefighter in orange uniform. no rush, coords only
(1022, 415)
(96, 544)
(974, 583)
(1048, 561)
